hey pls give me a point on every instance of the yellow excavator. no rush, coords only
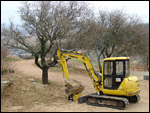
(114, 88)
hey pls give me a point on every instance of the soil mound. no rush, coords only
(19, 91)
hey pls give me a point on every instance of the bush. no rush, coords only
(6, 66)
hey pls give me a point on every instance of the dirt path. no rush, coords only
(28, 69)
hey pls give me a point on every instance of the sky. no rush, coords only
(9, 9)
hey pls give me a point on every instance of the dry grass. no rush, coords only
(7, 65)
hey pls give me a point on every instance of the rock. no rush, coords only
(146, 76)
(5, 82)
(31, 80)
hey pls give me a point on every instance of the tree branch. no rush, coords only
(36, 61)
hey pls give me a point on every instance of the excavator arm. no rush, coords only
(73, 87)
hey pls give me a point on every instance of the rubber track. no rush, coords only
(104, 98)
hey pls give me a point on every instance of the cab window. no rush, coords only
(127, 73)
(108, 74)
(119, 67)
(108, 68)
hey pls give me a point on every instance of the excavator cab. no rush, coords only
(116, 79)
(114, 71)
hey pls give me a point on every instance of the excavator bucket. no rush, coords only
(73, 87)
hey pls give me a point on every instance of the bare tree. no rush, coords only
(113, 33)
(120, 35)
(142, 48)
(50, 23)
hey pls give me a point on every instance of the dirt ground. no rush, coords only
(22, 95)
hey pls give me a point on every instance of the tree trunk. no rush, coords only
(147, 63)
(99, 64)
(98, 58)
(45, 75)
